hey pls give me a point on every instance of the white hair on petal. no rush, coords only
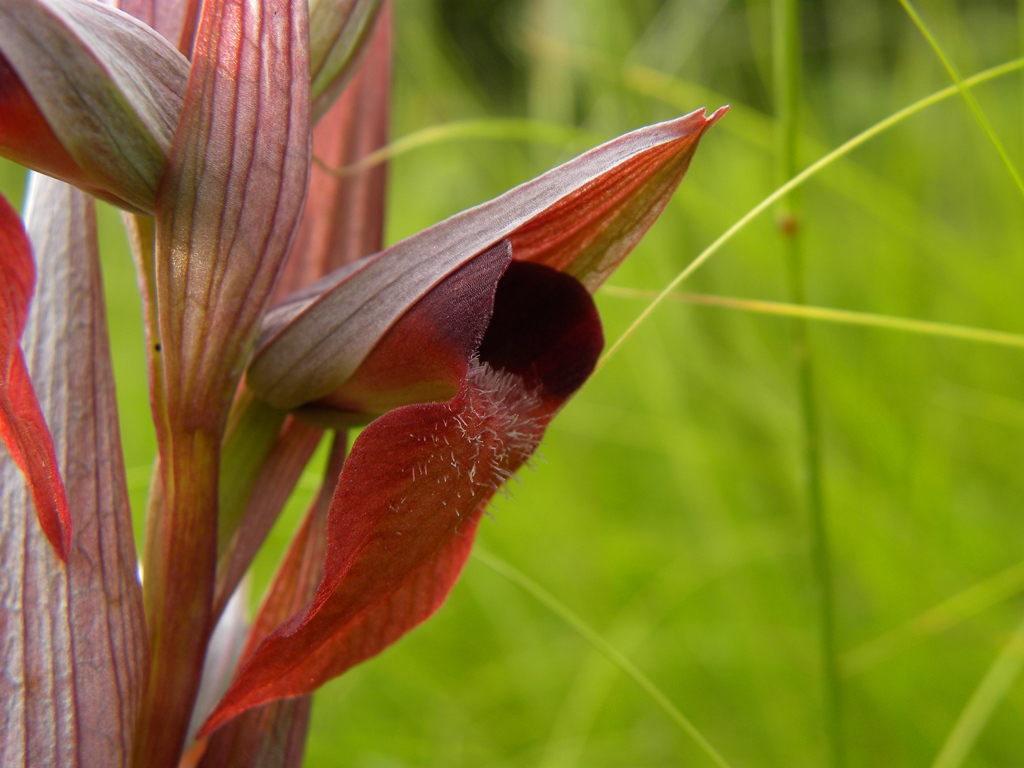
(501, 420)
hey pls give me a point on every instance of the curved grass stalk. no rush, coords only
(556, 606)
(829, 315)
(994, 686)
(977, 598)
(841, 151)
(515, 129)
(972, 103)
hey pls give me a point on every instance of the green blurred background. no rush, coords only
(667, 507)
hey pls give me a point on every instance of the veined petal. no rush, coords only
(108, 87)
(22, 426)
(581, 218)
(73, 634)
(229, 205)
(412, 490)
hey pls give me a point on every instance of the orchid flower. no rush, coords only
(267, 324)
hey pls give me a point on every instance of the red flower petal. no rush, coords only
(22, 425)
(589, 232)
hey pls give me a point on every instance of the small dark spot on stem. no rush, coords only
(157, 347)
(788, 225)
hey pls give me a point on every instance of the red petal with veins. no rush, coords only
(589, 232)
(407, 506)
(22, 425)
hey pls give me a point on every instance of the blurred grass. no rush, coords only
(666, 510)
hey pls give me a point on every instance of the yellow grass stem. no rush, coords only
(829, 315)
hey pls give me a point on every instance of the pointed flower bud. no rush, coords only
(88, 95)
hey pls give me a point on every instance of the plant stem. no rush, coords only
(180, 550)
(786, 54)
(178, 578)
